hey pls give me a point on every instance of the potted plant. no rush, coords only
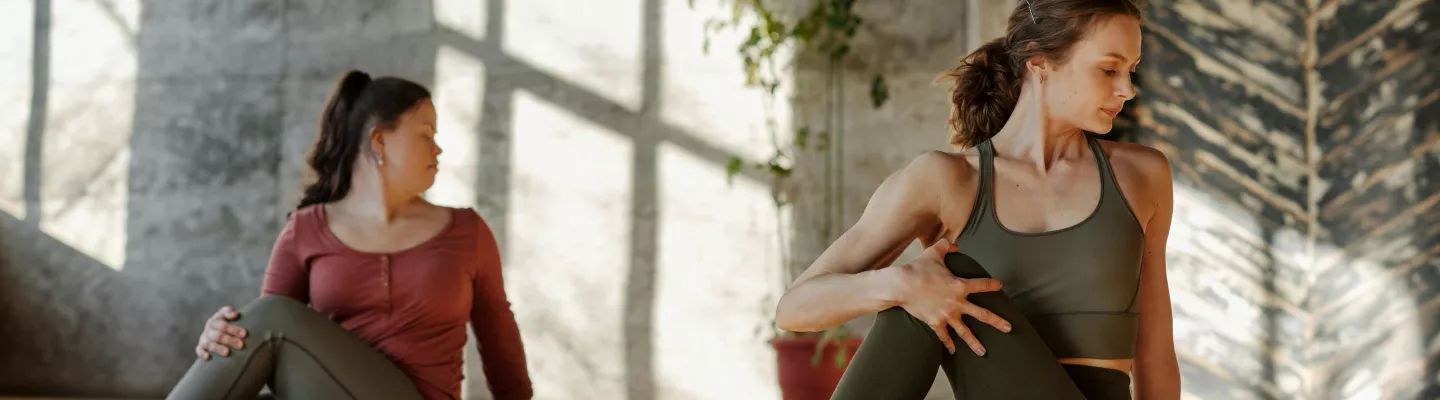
(809, 364)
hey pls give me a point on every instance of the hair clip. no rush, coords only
(1031, 9)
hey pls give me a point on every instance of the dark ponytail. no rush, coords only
(987, 83)
(357, 105)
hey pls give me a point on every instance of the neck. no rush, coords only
(1031, 135)
(369, 199)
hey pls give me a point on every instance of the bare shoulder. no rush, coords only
(941, 170)
(1135, 161)
(1143, 174)
(946, 183)
(928, 182)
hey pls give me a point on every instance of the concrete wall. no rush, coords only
(151, 149)
(1306, 150)
(1303, 255)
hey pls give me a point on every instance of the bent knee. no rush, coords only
(898, 318)
(271, 304)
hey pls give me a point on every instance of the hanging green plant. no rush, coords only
(827, 30)
(878, 91)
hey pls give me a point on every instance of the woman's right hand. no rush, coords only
(220, 335)
(932, 294)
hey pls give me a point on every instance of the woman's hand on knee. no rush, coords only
(220, 335)
(936, 297)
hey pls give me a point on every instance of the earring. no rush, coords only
(380, 160)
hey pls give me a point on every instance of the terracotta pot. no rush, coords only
(799, 379)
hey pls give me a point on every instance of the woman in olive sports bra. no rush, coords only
(1074, 227)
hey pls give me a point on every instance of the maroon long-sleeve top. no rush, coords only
(411, 305)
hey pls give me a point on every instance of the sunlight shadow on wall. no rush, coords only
(459, 84)
(464, 16)
(567, 255)
(718, 263)
(1369, 324)
(1218, 259)
(17, 25)
(593, 45)
(704, 92)
(87, 136)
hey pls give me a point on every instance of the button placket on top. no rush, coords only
(385, 281)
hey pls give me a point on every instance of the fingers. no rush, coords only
(941, 248)
(981, 285)
(967, 336)
(223, 333)
(215, 324)
(216, 348)
(233, 342)
(229, 313)
(225, 328)
(944, 336)
(222, 338)
(226, 313)
(219, 335)
(235, 330)
(989, 318)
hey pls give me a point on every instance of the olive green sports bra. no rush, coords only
(1079, 285)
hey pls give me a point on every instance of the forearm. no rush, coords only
(503, 354)
(1157, 379)
(826, 301)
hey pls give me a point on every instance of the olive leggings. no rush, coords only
(301, 354)
(899, 356)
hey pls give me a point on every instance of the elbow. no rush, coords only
(787, 317)
(783, 319)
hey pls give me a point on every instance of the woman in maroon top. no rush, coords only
(390, 279)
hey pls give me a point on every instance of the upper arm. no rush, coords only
(286, 274)
(1156, 336)
(496, 332)
(488, 279)
(905, 207)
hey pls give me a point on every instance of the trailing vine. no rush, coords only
(773, 41)
(826, 29)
